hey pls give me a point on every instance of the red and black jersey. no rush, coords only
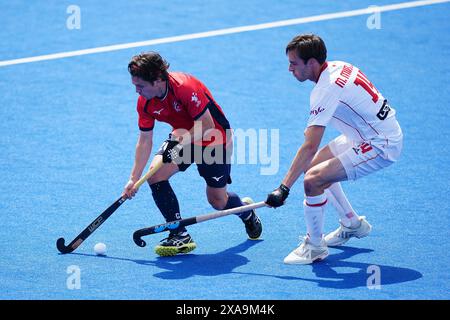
(186, 101)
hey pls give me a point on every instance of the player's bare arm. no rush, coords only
(301, 162)
(142, 154)
(305, 154)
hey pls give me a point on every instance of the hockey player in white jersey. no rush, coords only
(370, 140)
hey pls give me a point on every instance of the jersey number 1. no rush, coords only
(361, 80)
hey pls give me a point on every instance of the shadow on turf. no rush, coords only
(328, 275)
(327, 271)
(187, 265)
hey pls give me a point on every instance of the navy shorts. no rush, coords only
(213, 163)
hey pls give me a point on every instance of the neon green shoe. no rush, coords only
(175, 244)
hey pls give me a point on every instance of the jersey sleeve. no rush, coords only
(145, 121)
(323, 104)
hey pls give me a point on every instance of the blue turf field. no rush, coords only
(68, 131)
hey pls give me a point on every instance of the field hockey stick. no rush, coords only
(60, 243)
(137, 235)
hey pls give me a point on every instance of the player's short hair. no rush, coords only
(149, 66)
(308, 46)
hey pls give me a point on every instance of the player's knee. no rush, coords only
(160, 175)
(311, 182)
(156, 178)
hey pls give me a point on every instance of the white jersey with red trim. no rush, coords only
(344, 98)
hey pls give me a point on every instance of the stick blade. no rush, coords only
(60, 245)
(138, 240)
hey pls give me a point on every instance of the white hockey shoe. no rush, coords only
(342, 234)
(307, 253)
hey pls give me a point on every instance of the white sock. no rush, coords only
(314, 212)
(349, 218)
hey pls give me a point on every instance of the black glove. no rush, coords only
(171, 150)
(277, 197)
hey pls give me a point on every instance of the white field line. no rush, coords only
(220, 32)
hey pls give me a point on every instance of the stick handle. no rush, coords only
(222, 213)
(155, 167)
(137, 235)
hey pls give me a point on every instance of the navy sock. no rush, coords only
(166, 201)
(233, 202)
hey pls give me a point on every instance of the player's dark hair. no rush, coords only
(149, 66)
(308, 46)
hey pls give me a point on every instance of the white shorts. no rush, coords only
(358, 158)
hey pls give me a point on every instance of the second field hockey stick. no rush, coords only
(60, 243)
(137, 235)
